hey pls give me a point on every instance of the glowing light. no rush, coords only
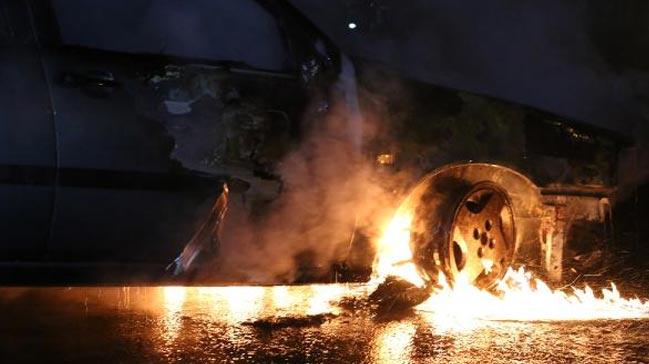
(394, 342)
(385, 159)
(173, 300)
(322, 296)
(282, 298)
(351, 25)
(174, 297)
(243, 303)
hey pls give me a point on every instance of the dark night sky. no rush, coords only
(587, 60)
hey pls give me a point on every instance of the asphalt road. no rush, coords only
(280, 324)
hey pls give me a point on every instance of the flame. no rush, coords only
(521, 297)
(518, 296)
(394, 256)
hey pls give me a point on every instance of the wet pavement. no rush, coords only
(280, 324)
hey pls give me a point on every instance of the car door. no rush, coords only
(27, 142)
(157, 101)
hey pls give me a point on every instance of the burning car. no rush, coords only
(125, 120)
(532, 188)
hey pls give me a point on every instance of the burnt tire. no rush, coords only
(472, 221)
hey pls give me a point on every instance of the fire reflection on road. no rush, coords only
(394, 343)
(202, 324)
(174, 297)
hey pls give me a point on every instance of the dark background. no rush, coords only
(586, 60)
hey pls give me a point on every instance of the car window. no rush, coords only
(223, 30)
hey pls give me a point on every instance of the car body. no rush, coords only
(123, 120)
(110, 153)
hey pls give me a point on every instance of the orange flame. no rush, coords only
(394, 256)
(518, 296)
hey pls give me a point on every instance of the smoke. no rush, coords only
(329, 191)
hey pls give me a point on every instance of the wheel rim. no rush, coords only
(481, 242)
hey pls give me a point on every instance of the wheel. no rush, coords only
(472, 221)
(481, 242)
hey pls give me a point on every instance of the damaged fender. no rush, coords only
(206, 240)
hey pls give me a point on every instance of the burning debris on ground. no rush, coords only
(395, 296)
(277, 323)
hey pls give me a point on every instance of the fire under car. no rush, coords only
(124, 120)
